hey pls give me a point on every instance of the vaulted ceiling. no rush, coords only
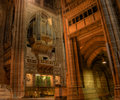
(90, 45)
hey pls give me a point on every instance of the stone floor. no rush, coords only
(54, 99)
(47, 98)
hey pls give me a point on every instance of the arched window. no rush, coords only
(40, 28)
(31, 31)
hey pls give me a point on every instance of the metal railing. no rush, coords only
(37, 92)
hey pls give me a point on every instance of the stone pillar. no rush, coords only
(2, 25)
(74, 89)
(17, 52)
(77, 66)
(112, 33)
(34, 80)
(117, 92)
(54, 80)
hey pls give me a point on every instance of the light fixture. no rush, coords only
(103, 61)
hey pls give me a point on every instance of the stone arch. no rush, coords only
(33, 14)
(93, 47)
(29, 19)
(91, 41)
(94, 54)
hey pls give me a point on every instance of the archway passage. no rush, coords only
(95, 72)
(97, 79)
(103, 79)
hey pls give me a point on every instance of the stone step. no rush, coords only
(4, 97)
(91, 94)
(2, 90)
(4, 93)
(89, 89)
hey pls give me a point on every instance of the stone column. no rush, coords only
(53, 80)
(17, 51)
(74, 89)
(113, 41)
(77, 66)
(2, 25)
(34, 83)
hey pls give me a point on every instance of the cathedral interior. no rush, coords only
(59, 49)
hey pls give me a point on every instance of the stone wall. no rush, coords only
(32, 10)
(2, 26)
